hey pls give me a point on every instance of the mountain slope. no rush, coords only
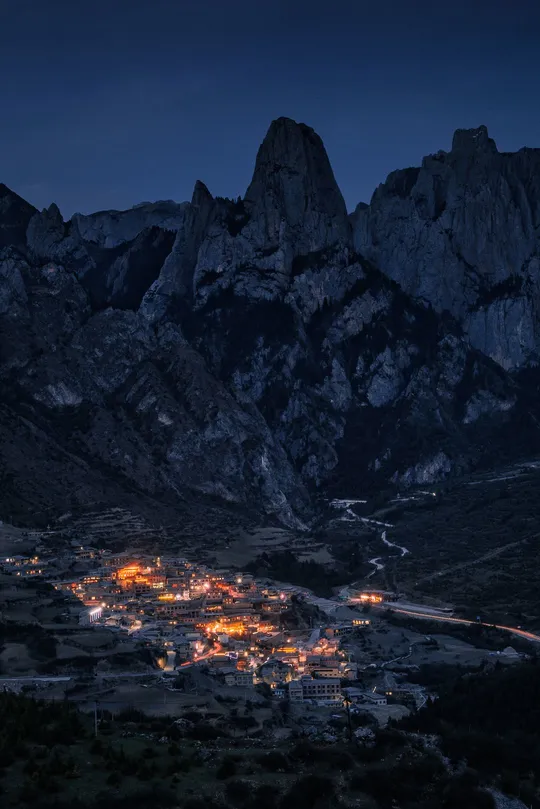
(252, 352)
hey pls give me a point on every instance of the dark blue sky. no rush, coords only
(111, 102)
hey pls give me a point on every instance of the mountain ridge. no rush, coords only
(461, 232)
(261, 351)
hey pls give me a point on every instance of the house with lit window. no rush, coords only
(326, 689)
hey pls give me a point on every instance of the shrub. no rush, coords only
(307, 791)
(264, 797)
(144, 773)
(131, 715)
(226, 769)
(203, 803)
(205, 733)
(184, 765)
(29, 793)
(96, 748)
(114, 778)
(457, 796)
(357, 782)
(303, 751)
(155, 796)
(337, 759)
(30, 767)
(274, 761)
(238, 791)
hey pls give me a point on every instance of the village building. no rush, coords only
(325, 689)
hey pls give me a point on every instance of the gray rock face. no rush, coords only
(175, 280)
(293, 187)
(292, 215)
(127, 279)
(14, 316)
(15, 214)
(252, 353)
(13, 297)
(49, 238)
(462, 233)
(178, 426)
(40, 307)
(109, 229)
(428, 471)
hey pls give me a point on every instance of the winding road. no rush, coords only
(393, 544)
(376, 561)
(420, 611)
(378, 565)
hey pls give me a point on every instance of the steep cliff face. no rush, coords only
(259, 351)
(292, 208)
(462, 232)
(15, 214)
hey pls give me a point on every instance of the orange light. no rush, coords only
(128, 572)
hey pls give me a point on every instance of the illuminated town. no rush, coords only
(230, 622)
(132, 628)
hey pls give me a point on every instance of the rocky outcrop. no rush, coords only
(256, 352)
(14, 315)
(462, 233)
(294, 189)
(174, 285)
(15, 214)
(49, 238)
(124, 282)
(109, 229)
(292, 215)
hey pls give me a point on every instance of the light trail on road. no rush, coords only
(216, 650)
(513, 630)
(522, 633)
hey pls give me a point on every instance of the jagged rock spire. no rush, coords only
(293, 182)
(471, 141)
(201, 194)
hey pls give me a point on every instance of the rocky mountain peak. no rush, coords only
(473, 141)
(201, 194)
(46, 234)
(249, 351)
(293, 182)
(53, 213)
(462, 233)
(15, 214)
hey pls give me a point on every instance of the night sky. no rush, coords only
(108, 103)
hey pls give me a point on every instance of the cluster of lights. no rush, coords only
(369, 598)
(197, 586)
(128, 572)
(225, 629)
